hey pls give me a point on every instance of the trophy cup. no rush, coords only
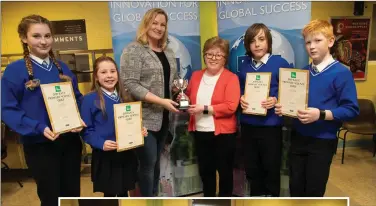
(182, 84)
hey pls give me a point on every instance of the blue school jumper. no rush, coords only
(112, 172)
(99, 127)
(272, 65)
(23, 110)
(331, 89)
(261, 135)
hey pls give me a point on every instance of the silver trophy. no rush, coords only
(182, 84)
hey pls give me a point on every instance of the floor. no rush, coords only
(355, 179)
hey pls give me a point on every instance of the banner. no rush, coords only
(285, 20)
(351, 47)
(179, 171)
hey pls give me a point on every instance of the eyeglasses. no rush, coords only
(217, 56)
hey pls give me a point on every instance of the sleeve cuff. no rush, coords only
(99, 144)
(140, 93)
(41, 127)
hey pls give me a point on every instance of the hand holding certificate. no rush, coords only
(61, 106)
(256, 90)
(293, 90)
(128, 125)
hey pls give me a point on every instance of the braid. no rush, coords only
(63, 77)
(31, 84)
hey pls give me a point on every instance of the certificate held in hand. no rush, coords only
(128, 125)
(256, 90)
(61, 106)
(293, 90)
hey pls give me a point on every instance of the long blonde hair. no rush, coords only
(96, 87)
(145, 25)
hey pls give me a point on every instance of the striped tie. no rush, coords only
(44, 63)
(315, 69)
(114, 96)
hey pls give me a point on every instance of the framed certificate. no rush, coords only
(128, 125)
(293, 90)
(257, 86)
(61, 106)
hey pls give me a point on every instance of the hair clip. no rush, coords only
(32, 84)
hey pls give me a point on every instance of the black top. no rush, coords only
(166, 72)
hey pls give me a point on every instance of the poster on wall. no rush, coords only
(285, 21)
(179, 170)
(351, 47)
(71, 35)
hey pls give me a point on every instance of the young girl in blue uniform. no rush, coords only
(261, 135)
(113, 173)
(332, 98)
(53, 160)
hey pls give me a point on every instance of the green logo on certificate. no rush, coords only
(128, 108)
(293, 74)
(57, 89)
(257, 77)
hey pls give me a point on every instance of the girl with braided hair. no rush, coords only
(54, 160)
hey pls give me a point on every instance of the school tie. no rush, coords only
(254, 62)
(114, 96)
(44, 63)
(314, 68)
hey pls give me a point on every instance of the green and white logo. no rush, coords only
(257, 77)
(128, 108)
(57, 89)
(293, 75)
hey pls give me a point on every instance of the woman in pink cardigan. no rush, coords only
(214, 94)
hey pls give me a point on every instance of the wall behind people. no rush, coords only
(95, 13)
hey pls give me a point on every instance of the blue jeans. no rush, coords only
(149, 157)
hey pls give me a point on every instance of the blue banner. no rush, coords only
(179, 171)
(285, 20)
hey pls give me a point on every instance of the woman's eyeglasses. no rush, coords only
(217, 56)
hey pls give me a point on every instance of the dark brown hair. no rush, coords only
(252, 32)
(217, 42)
(23, 28)
(96, 87)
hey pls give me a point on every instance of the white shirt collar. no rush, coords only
(324, 64)
(39, 60)
(263, 59)
(109, 93)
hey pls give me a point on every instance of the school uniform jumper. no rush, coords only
(55, 165)
(313, 145)
(112, 172)
(262, 135)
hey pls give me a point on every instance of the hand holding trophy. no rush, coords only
(182, 84)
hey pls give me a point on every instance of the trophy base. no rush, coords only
(183, 105)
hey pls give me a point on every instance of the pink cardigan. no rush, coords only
(225, 100)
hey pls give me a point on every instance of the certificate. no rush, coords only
(293, 90)
(128, 125)
(256, 90)
(61, 106)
